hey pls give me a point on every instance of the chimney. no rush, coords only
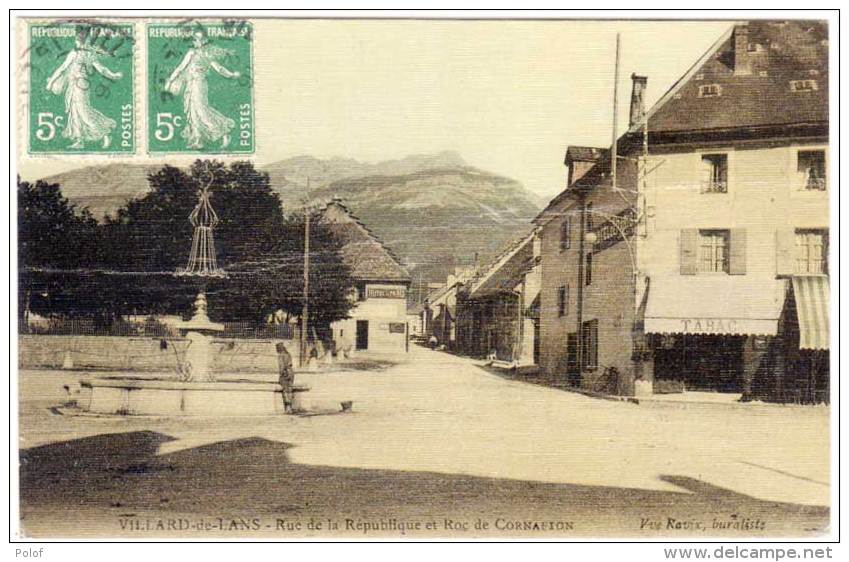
(638, 104)
(742, 64)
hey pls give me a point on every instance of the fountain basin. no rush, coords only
(178, 398)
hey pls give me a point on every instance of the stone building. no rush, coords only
(707, 262)
(378, 322)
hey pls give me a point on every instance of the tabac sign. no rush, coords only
(712, 326)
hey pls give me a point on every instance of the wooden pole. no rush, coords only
(614, 150)
(306, 307)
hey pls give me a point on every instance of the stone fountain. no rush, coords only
(196, 390)
(195, 364)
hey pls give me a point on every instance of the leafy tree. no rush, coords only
(259, 247)
(57, 241)
(127, 265)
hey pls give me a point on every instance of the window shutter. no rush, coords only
(706, 174)
(785, 252)
(737, 252)
(689, 251)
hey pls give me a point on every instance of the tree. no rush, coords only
(57, 242)
(258, 246)
(127, 264)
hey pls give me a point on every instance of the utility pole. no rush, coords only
(306, 305)
(614, 150)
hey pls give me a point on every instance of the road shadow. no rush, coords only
(120, 475)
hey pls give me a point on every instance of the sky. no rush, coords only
(508, 96)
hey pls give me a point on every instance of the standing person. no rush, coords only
(287, 376)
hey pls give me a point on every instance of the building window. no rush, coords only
(713, 251)
(803, 86)
(811, 166)
(812, 251)
(710, 91)
(588, 273)
(715, 173)
(589, 344)
(563, 300)
(566, 233)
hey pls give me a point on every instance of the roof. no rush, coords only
(598, 173)
(367, 257)
(584, 154)
(778, 52)
(507, 270)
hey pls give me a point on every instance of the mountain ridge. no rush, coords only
(433, 210)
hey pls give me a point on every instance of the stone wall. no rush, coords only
(144, 354)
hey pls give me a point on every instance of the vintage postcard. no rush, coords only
(396, 278)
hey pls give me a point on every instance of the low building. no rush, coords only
(497, 312)
(414, 321)
(378, 322)
(439, 313)
(706, 262)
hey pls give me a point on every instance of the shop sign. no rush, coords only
(710, 326)
(386, 292)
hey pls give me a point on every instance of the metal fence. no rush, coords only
(253, 331)
(91, 327)
(151, 328)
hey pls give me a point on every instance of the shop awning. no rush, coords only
(713, 305)
(811, 295)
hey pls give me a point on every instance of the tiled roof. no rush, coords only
(584, 153)
(507, 270)
(778, 53)
(367, 257)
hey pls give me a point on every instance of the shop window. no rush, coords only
(811, 166)
(812, 251)
(589, 344)
(713, 251)
(566, 233)
(714, 173)
(563, 300)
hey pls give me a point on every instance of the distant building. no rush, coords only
(378, 322)
(414, 321)
(439, 314)
(497, 312)
(708, 264)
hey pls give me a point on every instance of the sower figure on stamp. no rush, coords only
(83, 123)
(204, 123)
(287, 376)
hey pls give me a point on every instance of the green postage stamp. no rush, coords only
(200, 87)
(81, 88)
